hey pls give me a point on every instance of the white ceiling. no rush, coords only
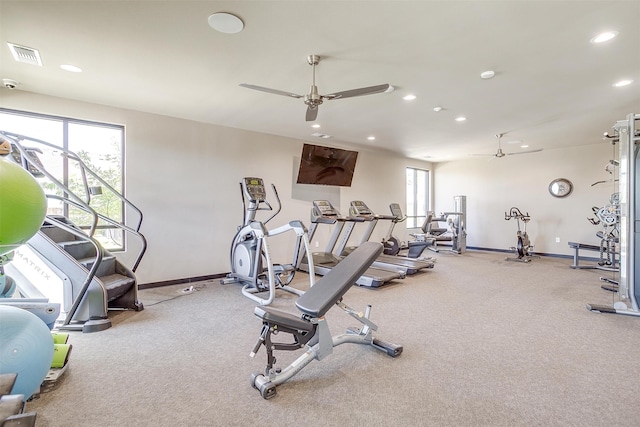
(552, 88)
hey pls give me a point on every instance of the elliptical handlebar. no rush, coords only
(275, 192)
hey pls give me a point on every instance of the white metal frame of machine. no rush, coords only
(250, 247)
(629, 185)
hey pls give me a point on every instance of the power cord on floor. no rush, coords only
(186, 291)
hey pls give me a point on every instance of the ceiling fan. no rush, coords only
(501, 153)
(313, 99)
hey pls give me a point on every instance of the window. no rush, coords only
(417, 196)
(100, 146)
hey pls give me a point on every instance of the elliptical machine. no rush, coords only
(250, 247)
(523, 247)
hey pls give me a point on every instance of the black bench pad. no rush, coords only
(333, 285)
(585, 246)
(281, 318)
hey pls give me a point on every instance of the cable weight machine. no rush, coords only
(629, 189)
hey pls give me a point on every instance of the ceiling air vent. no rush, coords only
(25, 54)
(321, 135)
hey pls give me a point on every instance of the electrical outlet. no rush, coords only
(317, 244)
(557, 240)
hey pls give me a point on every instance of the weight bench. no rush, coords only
(586, 247)
(12, 405)
(311, 329)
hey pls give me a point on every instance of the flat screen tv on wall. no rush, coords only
(326, 166)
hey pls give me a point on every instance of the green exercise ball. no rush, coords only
(23, 206)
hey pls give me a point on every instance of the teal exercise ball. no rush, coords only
(7, 286)
(26, 349)
(23, 206)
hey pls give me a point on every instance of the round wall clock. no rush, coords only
(560, 187)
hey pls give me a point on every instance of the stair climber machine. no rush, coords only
(250, 251)
(358, 209)
(627, 297)
(392, 246)
(64, 263)
(323, 212)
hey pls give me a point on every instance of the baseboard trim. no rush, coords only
(221, 275)
(478, 248)
(181, 281)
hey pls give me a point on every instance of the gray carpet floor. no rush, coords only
(487, 342)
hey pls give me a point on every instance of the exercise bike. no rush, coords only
(250, 252)
(523, 247)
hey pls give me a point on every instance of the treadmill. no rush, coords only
(358, 209)
(323, 212)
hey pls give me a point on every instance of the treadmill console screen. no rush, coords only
(324, 208)
(358, 208)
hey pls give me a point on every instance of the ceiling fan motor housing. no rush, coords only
(313, 99)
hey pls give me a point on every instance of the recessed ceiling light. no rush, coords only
(461, 119)
(371, 138)
(603, 37)
(622, 83)
(71, 68)
(315, 126)
(437, 109)
(489, 74)
(409, 97)
(524, 146)
(226, 23)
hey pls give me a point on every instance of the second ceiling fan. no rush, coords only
(313, 99)
(500, 153)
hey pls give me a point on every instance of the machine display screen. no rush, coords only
(326, 166)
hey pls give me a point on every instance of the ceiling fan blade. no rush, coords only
(312, 113)
(269, 90)
(358, 92)
(500, 154)
(524, 152)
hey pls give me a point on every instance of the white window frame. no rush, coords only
(63, 140)
(418, 185)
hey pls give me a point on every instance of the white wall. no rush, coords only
(494, 186)
(184, 176)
